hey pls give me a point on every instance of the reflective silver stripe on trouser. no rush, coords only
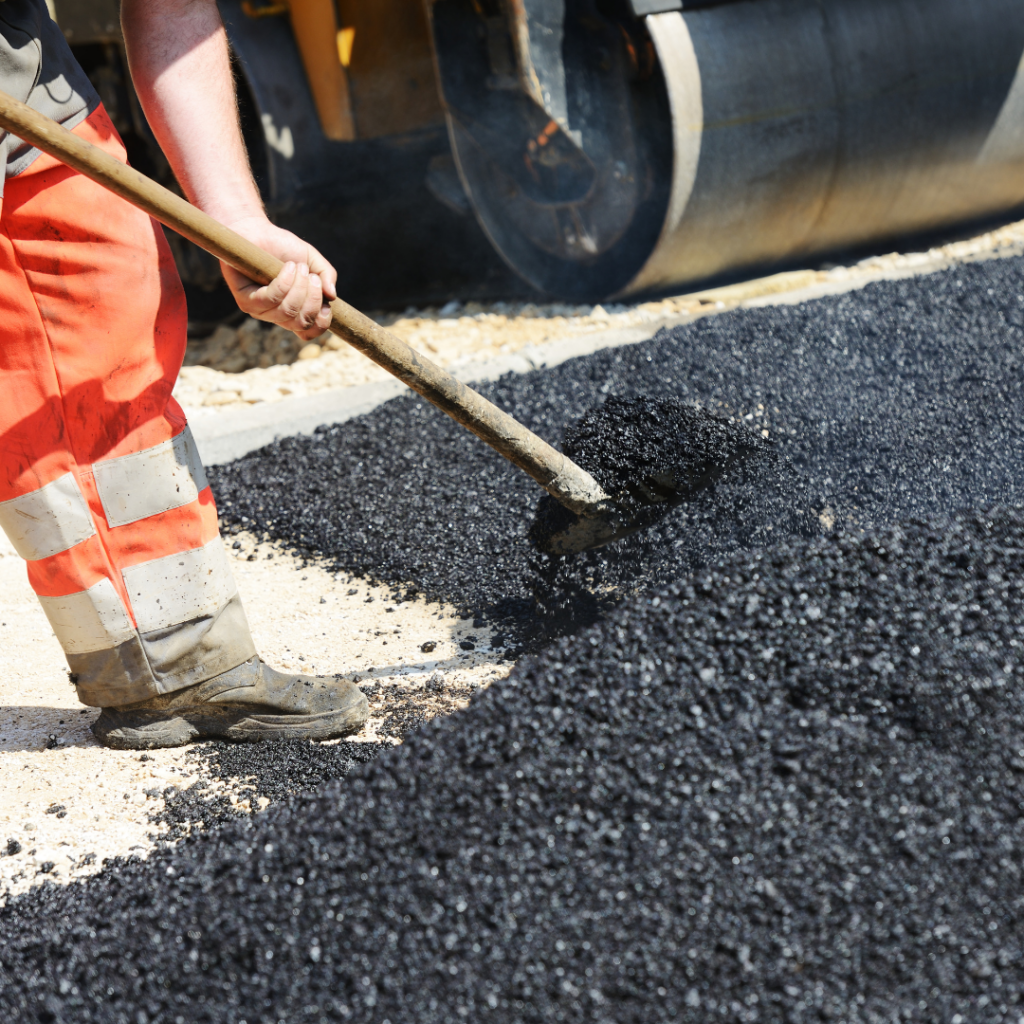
(177, 588)
(48, 520)
(146, 483)
(191, 627)
(91, 620)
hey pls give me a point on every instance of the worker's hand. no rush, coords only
(297, 298)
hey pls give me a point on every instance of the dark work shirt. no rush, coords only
(37, 67)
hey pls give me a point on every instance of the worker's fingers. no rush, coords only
(294, 299)
(315, 308)
(262, 301)
(290, 306)
(301, 306)
(272, 297)
(297, 298)
(323, 270)
(289, 248)
(304, 307)
(325, 316)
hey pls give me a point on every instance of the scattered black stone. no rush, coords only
(903, 398)
(270, 770)
(429, 646)
(403, 709)
(788, 789)
(277, 770)
(13, 847)
(402, 718)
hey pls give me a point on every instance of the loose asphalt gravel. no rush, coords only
(272, 772)
(904, 397)
(781, 779)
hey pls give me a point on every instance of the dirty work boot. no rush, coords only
(248, 703)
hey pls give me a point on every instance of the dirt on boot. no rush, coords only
(246, 704)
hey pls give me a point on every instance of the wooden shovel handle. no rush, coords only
(561, 477)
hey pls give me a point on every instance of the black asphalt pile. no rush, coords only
(789, 789)
(903, 398)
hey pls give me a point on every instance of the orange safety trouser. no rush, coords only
(101, 488)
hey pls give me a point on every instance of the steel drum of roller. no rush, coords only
(609, 155)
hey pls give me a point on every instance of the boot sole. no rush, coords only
(151, 730)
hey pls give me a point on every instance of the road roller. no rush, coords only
(589, 150)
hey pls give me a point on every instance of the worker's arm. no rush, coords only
(178, 53)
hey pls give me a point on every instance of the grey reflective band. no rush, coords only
(166, 660)
(146, 483)
(47, 521)
(177, 588)
(91, 620)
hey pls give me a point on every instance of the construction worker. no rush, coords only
(101, 488)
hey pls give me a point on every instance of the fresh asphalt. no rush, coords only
(770, 768)
(901, 398)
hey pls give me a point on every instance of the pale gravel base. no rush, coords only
(302, 618)
(458, 335)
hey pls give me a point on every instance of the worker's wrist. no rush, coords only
(232, 206)
(230, 215)
(250, 225)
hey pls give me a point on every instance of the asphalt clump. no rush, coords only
(649, 455)
(626, 442)
(788, 789)
(903, 398)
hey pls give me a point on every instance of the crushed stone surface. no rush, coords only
(901, 398)
(778, 778)
(789, 789)
(67, 804)
(257, 363)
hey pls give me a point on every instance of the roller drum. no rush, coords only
(800, 127)
(757, 133)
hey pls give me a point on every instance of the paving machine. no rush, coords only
(589, 149)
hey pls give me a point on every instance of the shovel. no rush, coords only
(597, 518)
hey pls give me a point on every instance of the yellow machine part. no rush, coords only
(369, 63)
(391, 70)
(315, 25)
